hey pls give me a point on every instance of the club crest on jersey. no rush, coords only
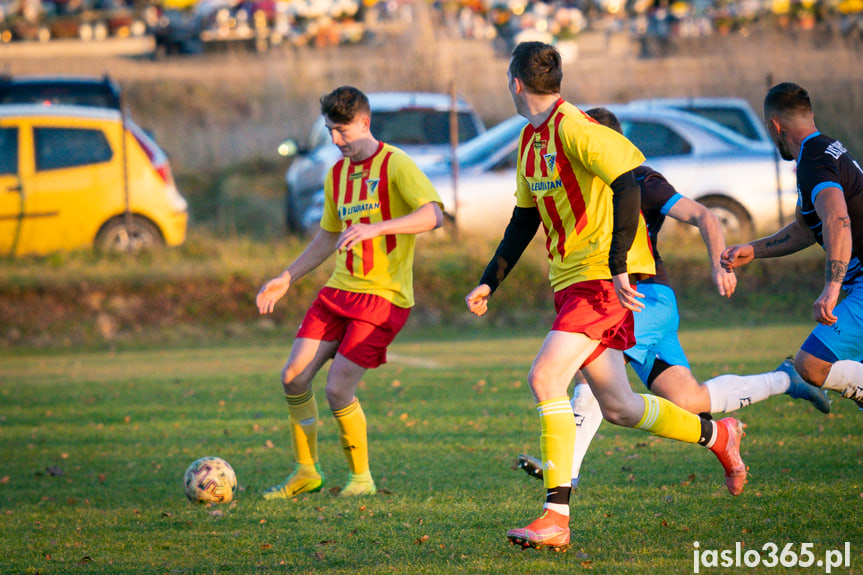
(550, 160)
(372, 185)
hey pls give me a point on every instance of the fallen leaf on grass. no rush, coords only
(421, 540)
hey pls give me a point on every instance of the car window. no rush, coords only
(504, 134)
(733, 119)
(8, 151)
(69, 94)
(58, 148)
(420, 127)
(655, 139)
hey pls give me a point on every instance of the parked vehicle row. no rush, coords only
(77, 172)
(727, 163)
(416, 122)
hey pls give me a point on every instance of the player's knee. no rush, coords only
(811, 369)
(616, 416)
(337, 397)
(294, 381)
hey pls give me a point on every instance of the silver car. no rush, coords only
(416, 122)
(739, 180)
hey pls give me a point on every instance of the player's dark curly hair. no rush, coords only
(537, 66)
(787, 98)
(605, 117)
(344, 103)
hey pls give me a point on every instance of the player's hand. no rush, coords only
(477, 300)
(823, 306)
(272, 292)
(726, 281)
(627, 294)
(356, 234)
(736, 256)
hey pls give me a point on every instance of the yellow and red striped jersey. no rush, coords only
(385, 186)
(565, 168)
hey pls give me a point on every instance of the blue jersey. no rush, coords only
(826, 163)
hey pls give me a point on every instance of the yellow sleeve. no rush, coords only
(523, 196)
(413, 185)
(605, 152)
(330, 219)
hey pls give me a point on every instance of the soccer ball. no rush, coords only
(210, 480)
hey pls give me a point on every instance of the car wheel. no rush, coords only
(736, 221)
(120, 236)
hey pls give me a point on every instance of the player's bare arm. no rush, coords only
(792, 238)
(316, 253)
(425, 218)
(691, 212)
(836, 232)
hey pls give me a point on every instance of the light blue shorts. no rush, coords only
(656, 331)
(843, 339)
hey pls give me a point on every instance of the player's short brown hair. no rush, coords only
(787, 98)
(344, 103)
(538, 66)
(605, 117)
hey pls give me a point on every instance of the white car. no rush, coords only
(416, 122)
(743, 182)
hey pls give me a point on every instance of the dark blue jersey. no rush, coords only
(657, 197)
(826, 163)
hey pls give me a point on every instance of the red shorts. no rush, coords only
(592, 308)
(364, 324)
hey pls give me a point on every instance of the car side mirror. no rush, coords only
(288, 148)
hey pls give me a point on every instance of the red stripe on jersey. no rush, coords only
(570, 182)
(349, 257)
(556, 223)
(368, 248)
(384, 198)
(530, 161)
(337, 181)
(543, 150)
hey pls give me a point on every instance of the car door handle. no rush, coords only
(16, 188)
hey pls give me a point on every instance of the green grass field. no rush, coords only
(93, 446)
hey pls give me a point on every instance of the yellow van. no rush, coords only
(75, 177)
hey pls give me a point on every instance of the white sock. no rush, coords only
(588, 416)
(731, 392)
(558, 508)
(846, 377)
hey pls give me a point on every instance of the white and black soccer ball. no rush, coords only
(210, 480)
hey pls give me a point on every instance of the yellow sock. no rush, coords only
(303, 410)
(556, 441)
(353, 436)
(663, 418)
